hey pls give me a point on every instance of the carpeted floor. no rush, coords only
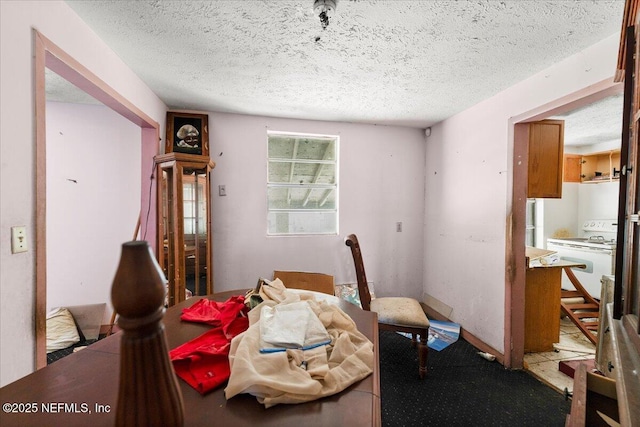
(461, 389)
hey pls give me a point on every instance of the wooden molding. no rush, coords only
(628, 20)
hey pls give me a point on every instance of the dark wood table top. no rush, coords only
(81, 389)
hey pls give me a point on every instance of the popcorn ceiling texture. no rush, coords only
(409, 63)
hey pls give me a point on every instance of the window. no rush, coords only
(302, 184)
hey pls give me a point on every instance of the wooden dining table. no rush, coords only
(81, 389)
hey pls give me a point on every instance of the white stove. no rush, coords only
(596, 248)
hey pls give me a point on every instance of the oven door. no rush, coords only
(598, 262)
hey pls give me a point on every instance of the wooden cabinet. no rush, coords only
(545, 163)
(601, 167)
(592, 168)
(542, 300)
(184, 223)
(542, 308)
(572, 168)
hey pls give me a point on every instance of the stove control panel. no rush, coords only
(602, 225)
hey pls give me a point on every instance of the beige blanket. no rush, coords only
(297, 376)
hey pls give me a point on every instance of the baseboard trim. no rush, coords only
(466, 335)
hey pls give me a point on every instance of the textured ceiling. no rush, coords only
(411, 63)
(598, 123)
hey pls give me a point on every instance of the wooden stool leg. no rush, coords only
(423, 351)
(112, 322)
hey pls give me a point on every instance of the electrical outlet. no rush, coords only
(398, 227)
(222, 191)
(18, 239)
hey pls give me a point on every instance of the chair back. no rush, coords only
(363, 287)
(317, 282)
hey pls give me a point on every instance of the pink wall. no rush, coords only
(93, 200)
(381, 182)
(469, 178)
(17, 152)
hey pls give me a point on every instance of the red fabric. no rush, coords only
(203, 362)
(225, 314)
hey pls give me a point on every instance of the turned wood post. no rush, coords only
(148, 394)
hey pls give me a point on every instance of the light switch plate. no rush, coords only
(18, 239)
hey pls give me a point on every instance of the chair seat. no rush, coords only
(394, 313)
(400, 311)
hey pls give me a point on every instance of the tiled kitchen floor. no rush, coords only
(544, 366)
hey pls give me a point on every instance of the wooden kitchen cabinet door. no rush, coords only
(572, 168)
(546, 149)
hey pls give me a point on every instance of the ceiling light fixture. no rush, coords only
(324, 9)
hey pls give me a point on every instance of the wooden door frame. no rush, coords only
(49, 55)
(516, 208)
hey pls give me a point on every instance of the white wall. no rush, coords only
(598, 201)
(93, 200)
(381, 182)
(468, 191)
(562, 214)
(580, 202)
(63, 27)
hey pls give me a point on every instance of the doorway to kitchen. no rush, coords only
(516, 272)
(580, 227)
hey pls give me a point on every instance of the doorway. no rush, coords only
(517, 224)
(49, 56)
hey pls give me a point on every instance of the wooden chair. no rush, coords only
(394, 313)
(581, 308)
(308, 281)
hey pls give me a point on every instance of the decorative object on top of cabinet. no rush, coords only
(546, 149)
(187, 133)
(184, 224)
(600, 167)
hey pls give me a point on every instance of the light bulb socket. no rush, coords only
(326, 7)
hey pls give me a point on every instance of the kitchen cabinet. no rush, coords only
(542, 300)
(572, 168)
(184, 224)
(600, 167)
(592, 168)
(546, 160)
(542, 314)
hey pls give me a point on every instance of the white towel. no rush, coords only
(292, 325)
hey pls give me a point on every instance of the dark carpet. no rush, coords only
(461, 389)
(59, 354)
